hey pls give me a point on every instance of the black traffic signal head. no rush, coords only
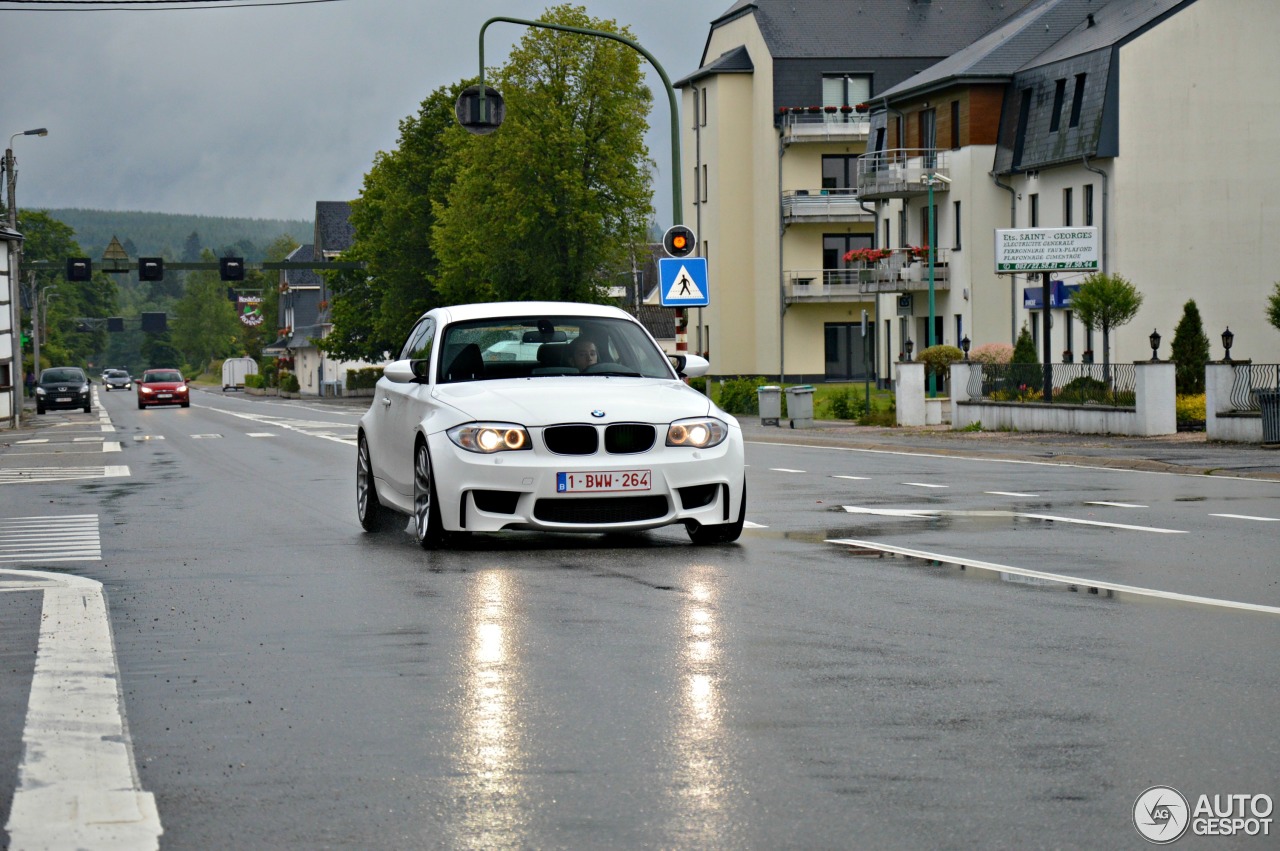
(231, 268)
(679, 241)
(150, 268)
(79, 268)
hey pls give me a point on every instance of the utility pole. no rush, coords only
(15, 276)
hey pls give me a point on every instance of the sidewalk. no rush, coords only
(1185, 452)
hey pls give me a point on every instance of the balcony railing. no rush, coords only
(801, 124)
(904, 270)
(823, 205)
(902, 172)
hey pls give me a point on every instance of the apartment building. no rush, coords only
(1152, 120)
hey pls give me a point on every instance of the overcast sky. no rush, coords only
(262, 111)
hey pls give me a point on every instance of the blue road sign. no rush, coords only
(683, 281)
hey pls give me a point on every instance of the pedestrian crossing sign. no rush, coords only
(683, 281)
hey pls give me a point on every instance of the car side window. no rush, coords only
(421, 339)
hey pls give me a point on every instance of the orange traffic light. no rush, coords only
(679, 241)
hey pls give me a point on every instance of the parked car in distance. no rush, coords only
(116, 379)
(163, 387)
(487, 422)
(63, 387)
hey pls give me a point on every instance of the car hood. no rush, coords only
(162, 385)
(573, 399)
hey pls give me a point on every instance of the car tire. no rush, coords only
(142, 406)
(374, 516)
(88, 409)
(40, 409)
(106, 388)
(427, 526)
(724, 533)
(186, 403)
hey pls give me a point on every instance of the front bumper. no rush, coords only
(518, 490)
(52, 401)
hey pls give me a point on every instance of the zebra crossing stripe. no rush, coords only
(50, 539)
(33, 475)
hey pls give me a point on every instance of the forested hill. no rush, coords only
(168, 235)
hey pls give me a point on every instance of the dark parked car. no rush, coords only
(163, 387)
(116, 379)
(63, 387)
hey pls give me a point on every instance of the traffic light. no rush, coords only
(115, 323)
(231, 268)
(679, 241)
(155, 323)
(79, 268)
(150, 268)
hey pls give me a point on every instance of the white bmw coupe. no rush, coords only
(545, 416)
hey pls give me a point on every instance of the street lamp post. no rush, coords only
(15, 278)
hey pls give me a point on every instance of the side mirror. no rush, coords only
(690, 366)
(407, 371)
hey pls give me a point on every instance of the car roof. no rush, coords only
(484, 310)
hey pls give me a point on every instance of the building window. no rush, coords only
(1024, 115)
(1066, 207)
(929, 136)
(1077, 100)
(704, 183)
(902, 227)
(924, 226)
(1059, 95)
(955, 227)
(888, 243)
(1088, 205)
(1033, 211)
(697, 185)
(1070, 331)
(703, 116)
(697, 108)
(834, 247)
(955, 125)
(840, 173)
(845, 89)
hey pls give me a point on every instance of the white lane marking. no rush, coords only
(32, 440)
(111, 446)
(48, 539)
(1054, 577)
(784, 470)
(260, 434)
(931, 512)
(307, 427)
(78, 784)
(747, 524)
(924, 485)
(1247, 517)
(1055, 519)
(1012, 493)
(86, 440)
(138, 437)
(855, 478)
(205, 436)
(1115, 504)
(34, 475)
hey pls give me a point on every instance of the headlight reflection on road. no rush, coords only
(489, 755)
(700, 741)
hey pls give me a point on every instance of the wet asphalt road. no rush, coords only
(290, 682)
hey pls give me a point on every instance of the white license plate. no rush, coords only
(600, 481)
(164, 395)
(63, 399)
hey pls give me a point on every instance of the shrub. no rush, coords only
(738, 395)
(1190, 350)
(289, 382)
(938, 359)
(1077, 391)
(881, 416)
(992, 353)
(699, 384)
(363, 379)
(255, 380)
(1191, 408)
(848, 404)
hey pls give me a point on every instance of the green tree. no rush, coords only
(1104, 302)
(1190, 350)
(373, 308)
(1024, 349)
(1024, 369)
(191, 248)
(72, 311)
(205, 324)
(1273, 307)
(556, 200)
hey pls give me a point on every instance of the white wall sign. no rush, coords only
(1046, 249)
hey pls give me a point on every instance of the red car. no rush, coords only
(163, 387)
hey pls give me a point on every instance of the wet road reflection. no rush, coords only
(702, 785)
(489, 756)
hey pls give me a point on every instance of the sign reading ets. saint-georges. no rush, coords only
(1046, 249)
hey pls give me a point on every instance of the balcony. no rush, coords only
(901, 172)
(823, 205)
(814, 124)
(902, 271)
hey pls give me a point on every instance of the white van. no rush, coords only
(234, 370)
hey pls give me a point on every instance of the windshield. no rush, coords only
(532, 346)
(63, 375)
(165, 375)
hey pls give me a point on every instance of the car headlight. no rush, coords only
(39, 391)
(487, 438)
(144, 388)
(698, 433)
